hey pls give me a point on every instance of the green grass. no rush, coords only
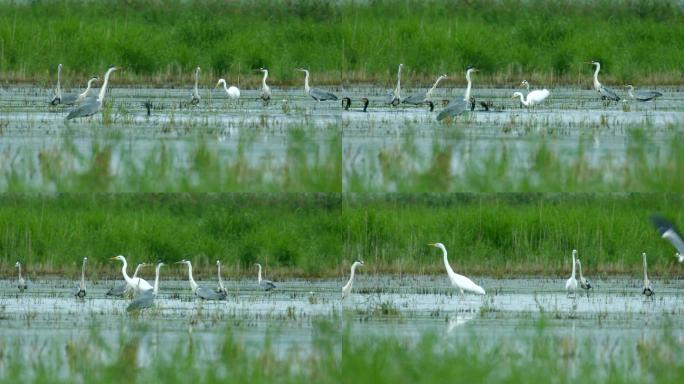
(543, 41)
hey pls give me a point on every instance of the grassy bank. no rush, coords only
(545, 42)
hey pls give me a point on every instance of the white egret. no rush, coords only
(92, 106)
(76, 98)
(606, 93)
(220, 287)
(534, 97)
(265, 89)
(346, 290)
(669, 232)
(458, 106)
(195, 99)
(121, 289)
(137, 284)
(57, 98)
(642, 95)
(21, 283)
(80, 290)
(346, 103)
(648, 291)
(201, 292)
(266, 285)
(459, 282)
(584, 283)
(146, 298)
(571, 284)
(394, 97)
(233, 92)
(423, 97)
(315, 93)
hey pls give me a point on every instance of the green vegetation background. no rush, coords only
(343, 41)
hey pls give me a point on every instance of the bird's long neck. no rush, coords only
(19, 271)
(645, 274)
(522, 100)
(397, 90)
(353, 272)
(446, 262)
(196, 81)
(597, 85)
(225, 86)
(100, 97)
(193, 285)
(434, 86)
(306, 81)
(83, 274)
(263, 81)
(573, 266)
(467, 92)
(259, 274)
(137, 269)
(527, 86)
(579, 267)
(59, 77)
(219, 274)
(156, 280)
(85, 93)
(125, 275)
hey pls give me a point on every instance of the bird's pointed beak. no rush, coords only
(179, 262)
(431, 244)
(112, 258)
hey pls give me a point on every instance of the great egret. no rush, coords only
(120, 289)
(606, 93)
(220, 288)
(195, 99)
(76, 98)
(21, 283)
(423, 97)
(394, 97)
(648, 291)
(458, 106)
(584, 283)
(642, 95)
(668, 231)
(315, 93)
(266, 285)
(346, 103)
(346, 290)
(534, 97)
(137, 284)
(571, 284)
(57, 98)
(80, 290)
(265, 90)
(201, 292)
(459, 282)
(146, 298)
(92, 106)
(233, 92)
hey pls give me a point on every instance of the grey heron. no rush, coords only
(571, 284)
(146, 298)
(423, 97)
(201, 292)
(315, 93)
(92, 106)
(583, 282)
(394, 97)
(669, 232)
(647, 291)
(233, 92)
(195, 99)
(220, 288)
(459, 282)
(21, 283)
(265, 89)
(264, 284)
(77, 98)
(80, 290)
(346, 290)
(642, 95)
(606, 93)
(137, 284)
(121, 289)
(346, 104)
(57, 98)
(458, 106)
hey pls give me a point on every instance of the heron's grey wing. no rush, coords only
(267, 285)
(416, 98)
(142, 301)
(117, 290)
(69, 99)
(87, 109)
(647, 95)
(609, 94)
(208, 294)
(668, 231)
(321, 95)
(454, 108)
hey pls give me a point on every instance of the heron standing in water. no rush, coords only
(606, 93)
(146, 298)
(195, 99)
(264, 284)
(647, 291)
(423, 97)
(233, 92)
(458, 106)
(642, 95)
(460, 282)
(265, 89)
(394, 97)
(92, 106)
(80, 290)
(346, 290)
(57, 98)
(571, 284)
(201, 292)
(77, 98)
(315, 93)
(21, 283)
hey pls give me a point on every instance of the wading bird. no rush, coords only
(57, 98)
(137, 284)
(423, 97)
(92, 106)
(77, 98)
(571, 284)
(21, 283)
(315, 93)
(534, 97)
(233, 92)
(346, 290)
(346, 103)
(584, 283)
(201, 292)
(80, 290)
(668, 231)
(195, 98)
(458, 106)
(265, 89)
(121, 289)
(266, 285)
(606, 93)
(146, 298)
(648, 291)
(220, 288)
(394, 97)
(459, 282)
(642, 95)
